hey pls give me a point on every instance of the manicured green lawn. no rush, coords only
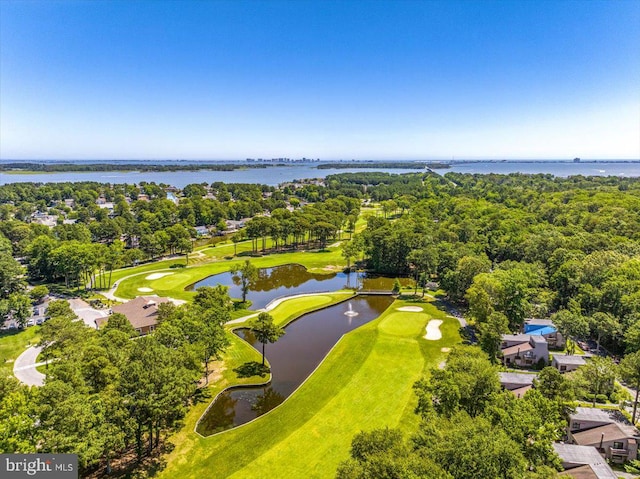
(365, 382)
(174, 284)
(293, 308)
(13, 343)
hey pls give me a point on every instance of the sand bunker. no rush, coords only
(433, 330)
(411, 309)
(153, 276)
(445, 350)
(145, 290)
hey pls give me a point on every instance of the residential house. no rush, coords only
(142, 313)
(202, 230)
(235, 225)
(143, 197)
(524, 350)
(44, 219)
(107, 205)
(546, 328)
(567, 362)
(607, 431)
(583, 462)
(517, 383)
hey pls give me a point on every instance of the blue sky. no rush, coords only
(328, 79)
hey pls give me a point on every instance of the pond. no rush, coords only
(291, 279)
(306, 342)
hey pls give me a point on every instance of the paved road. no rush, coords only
(86, 312)
(24, 367)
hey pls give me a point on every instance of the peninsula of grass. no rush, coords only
(294, 307)
(365, 382)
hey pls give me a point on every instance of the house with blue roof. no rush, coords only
(545, 328)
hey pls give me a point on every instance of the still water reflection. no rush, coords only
(290, 279)
(306, 342)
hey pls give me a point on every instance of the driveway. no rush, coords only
(86, 313)
(24, 367)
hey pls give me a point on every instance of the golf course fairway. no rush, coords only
(365, 382)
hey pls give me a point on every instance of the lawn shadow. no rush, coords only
(252, 368)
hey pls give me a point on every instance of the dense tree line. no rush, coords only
(107, 394)
(518, 245)
(469, 428)
(97, 241)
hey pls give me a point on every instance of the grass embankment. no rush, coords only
(13, 343)
(365, 382)
(174, 284)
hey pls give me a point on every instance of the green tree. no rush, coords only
(383, 454)
(38, 293)
(572, 326)
(630, 372)
(553, 385)
(10, 276)
(599, 373)
(119, 322)
(467, 382)
(604, 325)
(20, 308)
(265, 330)
(397, 286)
(243, 275)
(491, 333)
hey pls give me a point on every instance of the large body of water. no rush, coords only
(292, 279)
(292, 358)
(274, 175)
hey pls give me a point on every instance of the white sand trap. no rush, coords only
(145, 290)
(433, 330)
(411, 309)
(445, 350)
(153, 276)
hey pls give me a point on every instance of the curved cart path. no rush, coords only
(24, 368)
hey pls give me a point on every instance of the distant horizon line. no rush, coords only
(316, 160)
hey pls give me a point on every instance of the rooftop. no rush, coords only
(607, 432)
(591, 471)
(589, 462)
(538, 322)
(591, 414)
(516, 337)
(517, 378)
(141, 311)
(517, 348)
(569, 359)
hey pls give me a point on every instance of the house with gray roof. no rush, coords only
(613, 437)
(567, 362)
(517, 383)
(583, 462)
(523, 350)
